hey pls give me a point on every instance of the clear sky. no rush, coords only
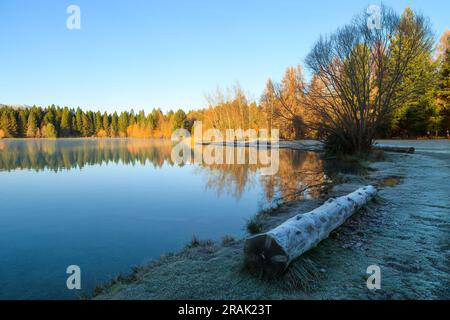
(165, 53)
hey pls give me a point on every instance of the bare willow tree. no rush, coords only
(228, 109)
(356, 74)
(231, 109)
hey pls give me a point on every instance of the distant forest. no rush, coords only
(396, 88)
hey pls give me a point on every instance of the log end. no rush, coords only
(263, 253)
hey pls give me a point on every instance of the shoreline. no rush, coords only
(168, 138)
(208, 270)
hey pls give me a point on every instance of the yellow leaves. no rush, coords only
(102, 134)
(284, 104)
(444, 43)
(135, 131)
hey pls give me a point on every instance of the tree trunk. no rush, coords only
(272, 252)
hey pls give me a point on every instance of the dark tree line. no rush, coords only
(54, 121)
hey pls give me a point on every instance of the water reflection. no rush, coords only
(300, 174)
(57, 155)
(107, 205)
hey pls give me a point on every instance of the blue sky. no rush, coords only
(165, 53)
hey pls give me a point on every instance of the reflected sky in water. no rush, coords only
(107, 205)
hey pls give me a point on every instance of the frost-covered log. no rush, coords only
(272, 252)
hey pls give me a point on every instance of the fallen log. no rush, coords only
(272, 252)
(395, 149)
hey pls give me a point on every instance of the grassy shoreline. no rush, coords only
(207, 257)
(409, 245)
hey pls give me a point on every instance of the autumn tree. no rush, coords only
(358, 71)
(284, 104)
(8, 123)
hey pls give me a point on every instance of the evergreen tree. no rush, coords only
(114, 125)
(414, 116)
(443, 85)
(140, 119)
(14, 128)
(123, 123)
(98, 123)
(87, 128)
(58, 119)
(131, 118)
(74, 125)
(50, 131)
(66, 123)
(32, 125)
(179, 120)
(105, 122)
(22, 122)
(49, 117)
(151, 120)
(79, 121)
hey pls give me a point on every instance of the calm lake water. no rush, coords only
(107, 205)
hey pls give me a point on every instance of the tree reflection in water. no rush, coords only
(300, 174)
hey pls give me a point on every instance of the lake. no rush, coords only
(107, 205)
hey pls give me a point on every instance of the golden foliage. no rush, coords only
(102, 134)
(284, 104)
(135, 131)
(444, 43)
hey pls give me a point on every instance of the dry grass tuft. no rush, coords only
(254, 225)
(302, 275)
(228, 239)
(197, 243)
(390, 182)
